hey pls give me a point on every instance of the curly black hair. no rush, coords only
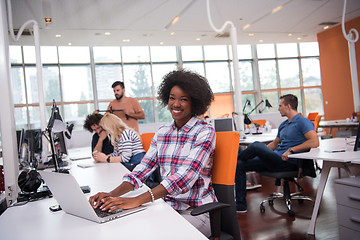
(193, 84)
(92, 119)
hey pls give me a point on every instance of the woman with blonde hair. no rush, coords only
(127, 144)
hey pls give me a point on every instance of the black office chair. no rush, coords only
(306, 168)
(223, 217)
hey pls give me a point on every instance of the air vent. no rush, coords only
(223, 35)
(328, 23)
(26, 32)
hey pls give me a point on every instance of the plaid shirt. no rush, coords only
(185, 157)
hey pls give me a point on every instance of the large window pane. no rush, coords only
(163, 54)
(286, 50)
(31, 85)
(74, 54)
(246, 76)
(216, 52)
(148, 108)
(15, 54)
(273, 98)
(311, 71)
(314, 100)
(289, 73)
(49, 54)
(76, 113)
(76, 83)
(243, 51)
(192, 53)
(217, 73)
(106, 75)
(267, 72)
(265, 50)
(51, 83)
(34, 113)
(107, 54)
(18, 85)
(135, 54)
(196, 67)
(20, 114)
(137, 80)
(159, 71)
(309, 49)
(29, 54)
(164, 114)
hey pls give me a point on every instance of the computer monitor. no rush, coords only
(357, 140)
(33, 139)
(223, 124)
(59, 141)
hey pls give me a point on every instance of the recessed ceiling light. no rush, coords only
(246, 26)
(58, 35)
(126, 40)
(299, 38)
(198, 39)
(107, 33)
(261, 40)
(48, 20)
(161, 43)
(290, 34)
(172, 33)
(325, 27)
(276, 9)
(69, 43)
(251, 34)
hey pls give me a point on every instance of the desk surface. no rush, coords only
(338, 123)
(331, 144)
(34, 220)
(266, 137)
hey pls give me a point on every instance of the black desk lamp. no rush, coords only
(247, 119)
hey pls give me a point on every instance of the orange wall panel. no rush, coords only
(222, 106)
(335, 71)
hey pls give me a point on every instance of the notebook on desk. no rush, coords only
(72, 200)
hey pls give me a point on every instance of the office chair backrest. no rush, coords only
(146, 140)
(311, 116)
(261, 122)
(317, 122)
(223, 179)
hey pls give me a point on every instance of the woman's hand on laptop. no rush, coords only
(97, 199)
(115, 203)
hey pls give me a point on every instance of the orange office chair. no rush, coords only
(155, 178)
(260, 122)
(311, 116)
(223, 218)
(146, 140)
(317, 122)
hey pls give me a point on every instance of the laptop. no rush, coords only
(72, 200)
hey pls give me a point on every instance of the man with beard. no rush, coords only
(126, 108)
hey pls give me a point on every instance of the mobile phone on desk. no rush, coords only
(55, 208)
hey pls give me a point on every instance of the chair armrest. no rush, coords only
(209, 207)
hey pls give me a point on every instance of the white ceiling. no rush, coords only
(143, 22)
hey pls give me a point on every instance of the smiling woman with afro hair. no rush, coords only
(193, 84)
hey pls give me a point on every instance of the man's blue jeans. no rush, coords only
(256, 157)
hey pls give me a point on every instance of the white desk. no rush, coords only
(35, 221)
(330, 160)
(265, 137)
(338, 124)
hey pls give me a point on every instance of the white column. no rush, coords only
(7, 119)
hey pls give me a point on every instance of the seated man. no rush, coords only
(100, 142)
(296, 134)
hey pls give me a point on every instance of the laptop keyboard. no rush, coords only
(103, 214)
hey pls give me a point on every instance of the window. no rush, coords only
(277, 69)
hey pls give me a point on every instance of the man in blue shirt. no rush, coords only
(296, 134)
(100, 141)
